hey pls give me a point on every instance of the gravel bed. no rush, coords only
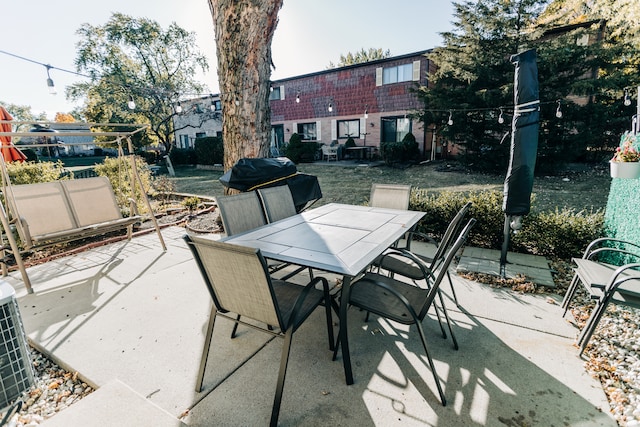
(54, 390)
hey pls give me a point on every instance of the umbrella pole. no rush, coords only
(505, 245)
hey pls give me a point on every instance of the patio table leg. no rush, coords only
(344, 340)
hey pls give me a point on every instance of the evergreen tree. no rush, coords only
(582, 63)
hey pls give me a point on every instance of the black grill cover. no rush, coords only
(248, 173)
(251, 174)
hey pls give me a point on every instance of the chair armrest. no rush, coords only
(303, 295)
(412, 234)
(402, 252)
(369, 279)
(596, 242)
(615, 282)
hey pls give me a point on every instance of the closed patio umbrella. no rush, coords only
(524, 146)
(10, 152)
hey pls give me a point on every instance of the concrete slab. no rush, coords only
(131, 312)
(114, 405)
(487, 261)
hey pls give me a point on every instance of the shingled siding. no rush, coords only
(351, 90)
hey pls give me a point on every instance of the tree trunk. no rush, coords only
(244, 30)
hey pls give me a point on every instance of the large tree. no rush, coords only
(361, 56)
(475, 79)
(244, 30)
(135, 59)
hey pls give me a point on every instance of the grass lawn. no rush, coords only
(583, 188)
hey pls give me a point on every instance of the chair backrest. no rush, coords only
(277, 202)
(390, 196)
(442, 265)
(92, 200)
(240, 212)
(43, 206)
(451, 232)
(237, 279)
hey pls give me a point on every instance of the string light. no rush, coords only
(559, 110)
(330, 107)
(627, 98)
(500, 117)
(450, 121)
(366, 112)
(131, 104)
(178, 107)
(52, 87)
(298, 98)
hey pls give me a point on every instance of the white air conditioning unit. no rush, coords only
(16, 370)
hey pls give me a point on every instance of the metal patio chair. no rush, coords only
(593, 271)
(238, 281)
(405, 303)
(412, 267)
(391, 196)
(240, 212)
(622, 288)
(277, 202)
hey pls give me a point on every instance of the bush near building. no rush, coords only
(209, 150)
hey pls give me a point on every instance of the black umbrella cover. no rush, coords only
(524, 135)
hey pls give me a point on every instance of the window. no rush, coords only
(401, 73)
(307, 131)
(184, 141)
(201, 134)
(217, 105)
(395, 128)
(277, 93)
(349, 128)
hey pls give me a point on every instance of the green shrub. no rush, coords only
(563, 233)
(33, 172)
(191, 203)
(400, 152)
(560, 234)
(119, 173)
(183, 156)
(209, 150)
(298, 151)
(149, 156)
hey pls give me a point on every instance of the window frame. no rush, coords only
(304, 136)
(384, 133)
(347, 136)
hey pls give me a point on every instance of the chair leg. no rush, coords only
(431, 365)
(275, 411)
(568, 296)
(446, 318)
(453, 290)
(205, 350)
(235, 327)
(327, 311)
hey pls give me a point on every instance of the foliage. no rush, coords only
(183, 156)
(349, 143)
(628, 149)
(164, 187)
(33, 172)
(136, 59)
(23, 113)
(191, 203)
(209, 150)
(64, 118)
(475, 78)
(562, 233)
(361, 56)
(298, 151)
(401, 151)
(118, 170)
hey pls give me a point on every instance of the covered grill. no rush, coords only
(251, 174)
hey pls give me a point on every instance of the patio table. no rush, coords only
(337, 238)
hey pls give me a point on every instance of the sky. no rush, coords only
(310, 34)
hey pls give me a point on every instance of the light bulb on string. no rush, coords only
(298, 98)
(627, 98)
(559, 110)
(131, 103)
(50, 85)
(330, 107)
(450, 121)
(500, 117)
(178, 107)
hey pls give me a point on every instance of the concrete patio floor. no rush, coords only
(131, 318)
